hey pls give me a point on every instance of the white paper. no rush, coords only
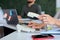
(24, 28)
(31, 14)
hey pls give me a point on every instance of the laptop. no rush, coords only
(13, 14)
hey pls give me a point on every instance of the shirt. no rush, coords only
(34, 8)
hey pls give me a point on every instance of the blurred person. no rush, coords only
(30, 7)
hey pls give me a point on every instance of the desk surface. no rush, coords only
(24, 36)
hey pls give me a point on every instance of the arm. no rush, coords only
(57, 22)
(19, 17)
(47, 19)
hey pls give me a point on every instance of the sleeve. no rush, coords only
(39, 9)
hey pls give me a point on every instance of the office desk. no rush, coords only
(24, 36)
(4, 23)
(27, 36)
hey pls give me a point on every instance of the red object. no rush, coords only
(42, 39)
(45, 38)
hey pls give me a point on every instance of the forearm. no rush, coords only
(57, 22)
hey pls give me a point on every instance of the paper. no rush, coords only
(24, 28)
(31, 14)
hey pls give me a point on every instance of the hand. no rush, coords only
(19, 17)
(9, 18)
(30, 24)
(40, 17)
(47, 19)
(5, 15)
(36, 25)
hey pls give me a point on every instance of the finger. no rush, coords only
(45, 21)
(40, 17)
(29, 25)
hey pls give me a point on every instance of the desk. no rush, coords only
(23, 36)
(6, 25)
(1, 28)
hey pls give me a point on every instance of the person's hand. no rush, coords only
(36, 25)
(31, 23)
(9, 18)
(47, 19)
(19, 19)
(5, 15)
(40, 17)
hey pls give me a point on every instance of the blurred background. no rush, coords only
(49, 6)
(57, 5)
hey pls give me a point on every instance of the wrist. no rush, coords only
(55, 22)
